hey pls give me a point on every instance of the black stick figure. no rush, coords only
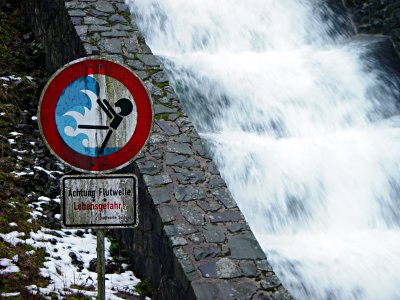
(125, 108)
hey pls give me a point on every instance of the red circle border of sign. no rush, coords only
(48, 102)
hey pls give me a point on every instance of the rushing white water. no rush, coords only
(304, 129)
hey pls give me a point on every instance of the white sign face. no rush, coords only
(107, 201)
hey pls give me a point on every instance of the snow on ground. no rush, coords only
(67, 264)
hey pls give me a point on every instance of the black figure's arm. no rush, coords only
(108, 113)
(110, 109)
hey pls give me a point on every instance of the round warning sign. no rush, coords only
(95, 115)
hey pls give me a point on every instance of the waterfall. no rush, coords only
(304, 127)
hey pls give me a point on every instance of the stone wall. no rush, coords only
(192, 241)
(376, 17)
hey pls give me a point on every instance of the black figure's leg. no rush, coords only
(109, 133)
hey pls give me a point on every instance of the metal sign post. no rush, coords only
(96, 115)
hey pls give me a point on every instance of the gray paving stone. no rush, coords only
(178, 160)
(122, 7)
(115, 34)
(206, 252)
(177, 241)
(183, 139)
(167, 213)
(209, 205)
(161, 179)
(264, 265)
(149, 60)
(149, 167)
(216, 182)
(76, 21)
(121, 27)
(245, 246)
(194, 217)
(160, 77)
(189, 193)
(236, 227)
(98, 28)
(77, 13)
(227, 268)
(104, 6)
(81, 29)
(205, 290)
(270, 282)
(180, 148)
(179, 229)
(196, 238)
(91, 50)
(184, 260)
(75, 5)
(97, 13)
(248, 268)
(159, 195)
(225, 197)
(111, 45)
(162, 109)
(157, 138)
(116, 18)
(135, 64)
(214, 234)
(93, 21)
(242, 289)
(131, 43)
(225, 216)
(168, 127)
(185, 176)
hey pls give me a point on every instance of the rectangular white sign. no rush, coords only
(103, 201)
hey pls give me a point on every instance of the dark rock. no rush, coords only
(176, 241)
(248, 268)
(122, 7)
(75, 261)
(159, 195)
(180, 148)
(172, 159)
(93, 21)
(217, 182)
(236, 227)
(179, 229)
(112, 45)
(264, 265)
(96, 13)
(245, 246)
(196, 238)
(209, 205)
(98, 28)
(167, 213)
(161, 109)
(226, 216)
(186, 176)
(161, 179)
(114, 34)
(93, 265)
(131, 44)
(149, 167)
(214, 234)
(149, 60)
(77, 13)
(225, 197)
(135, 64)
(168, 127)
(160, 77)
(157, 138)
(236, 290)
(222, 268)
(184, 260)
(189, 193)
(192, 216)
(205, 290)
(117, 19)
(104, 6)
(271, 282)
(206, 252)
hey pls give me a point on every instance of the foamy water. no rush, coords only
(304, 131)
